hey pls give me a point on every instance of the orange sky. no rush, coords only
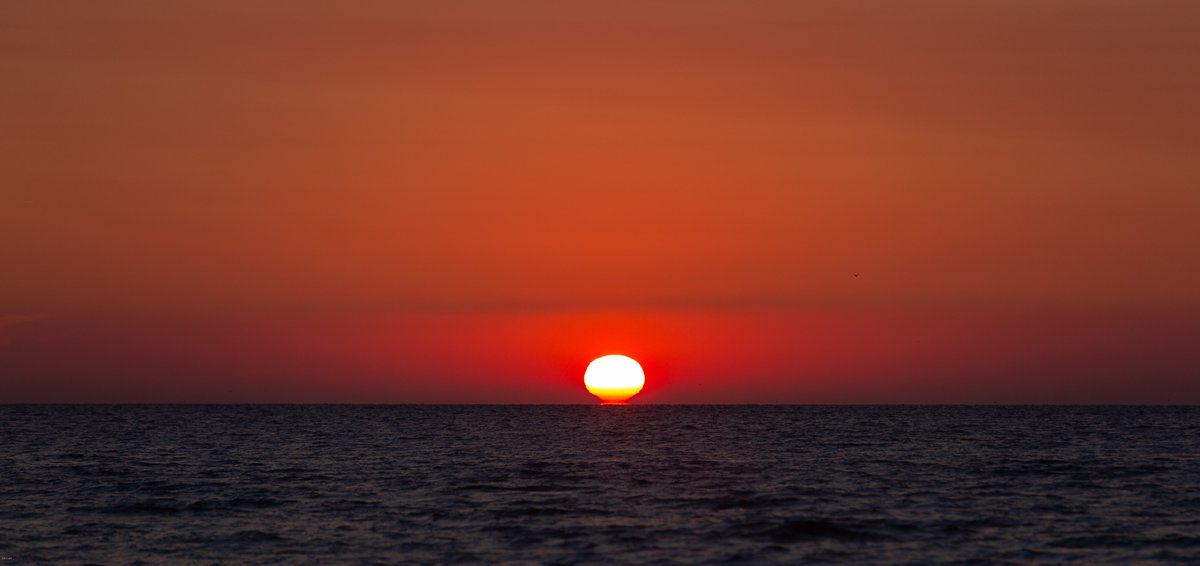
(441, 201)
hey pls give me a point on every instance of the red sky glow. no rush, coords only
(442, 202)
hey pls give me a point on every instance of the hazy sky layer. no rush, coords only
(290, 164)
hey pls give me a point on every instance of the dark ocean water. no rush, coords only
(566, 484)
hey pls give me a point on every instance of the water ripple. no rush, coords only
(578, 484)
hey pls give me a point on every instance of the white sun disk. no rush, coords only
(614, 378)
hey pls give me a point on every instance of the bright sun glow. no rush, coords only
(614, 378)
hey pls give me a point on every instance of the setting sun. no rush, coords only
(614, 378)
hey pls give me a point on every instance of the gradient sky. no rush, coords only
(467, 201)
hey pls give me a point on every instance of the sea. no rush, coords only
(567, 484)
